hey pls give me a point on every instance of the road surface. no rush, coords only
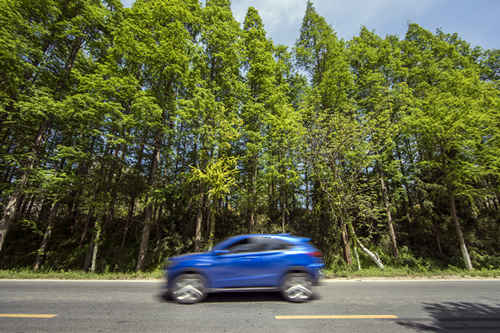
(340, 306)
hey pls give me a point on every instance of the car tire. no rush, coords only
(188, 289)
(297, 287)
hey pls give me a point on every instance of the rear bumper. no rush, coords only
(320, 278)
(316, 273)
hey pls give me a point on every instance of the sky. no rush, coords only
(475, 21)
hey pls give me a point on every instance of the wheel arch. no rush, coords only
(295, 269)
(191, 270)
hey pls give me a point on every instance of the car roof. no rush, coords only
(285, 237)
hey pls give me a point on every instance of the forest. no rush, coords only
(128, 135)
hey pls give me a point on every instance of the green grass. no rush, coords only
(392, 272)
(78, 275)
(388, 272)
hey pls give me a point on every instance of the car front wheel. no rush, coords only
(188, 289)
(297, 287)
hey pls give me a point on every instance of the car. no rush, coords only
(255, 262)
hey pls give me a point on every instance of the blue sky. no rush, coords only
(476, 21)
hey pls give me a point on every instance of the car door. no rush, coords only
(238, 267)
(270, 260)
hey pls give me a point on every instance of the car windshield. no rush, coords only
(225, 243)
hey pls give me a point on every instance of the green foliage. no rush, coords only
(219, 176)
(150, 131)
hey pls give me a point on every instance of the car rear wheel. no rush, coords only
(188, 289)
(297, 287)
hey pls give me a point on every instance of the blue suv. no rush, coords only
(248, 262)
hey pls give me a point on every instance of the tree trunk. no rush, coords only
(438, 240)
(96, 243)
(86, 227)
(148, 214)
(308, 190)
(7, 217)
(29, 207)
(148, 221)
(130, 216)
(9, 212)
(253, 197)
(211, 217)
(133, 200)
(98, 227)
(284, 207)
(40, 256)
(387, 205)
(372, 255)
(251, 223)
(355, 246)
(347, 247)
(356, 255)
(124, 236)
(199, 223)
(206, 217)
(283, 220)
(23, 206)
(461, 240)
(88, 255)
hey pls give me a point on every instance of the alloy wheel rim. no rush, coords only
(188, 289)
(298, 288)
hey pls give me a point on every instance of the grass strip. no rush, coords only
(392, 272)
(388, 272)
(78, 275)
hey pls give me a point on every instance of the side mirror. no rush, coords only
(220, 252)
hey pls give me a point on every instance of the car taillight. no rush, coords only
(316, 254)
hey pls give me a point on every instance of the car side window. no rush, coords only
(273, 244)
(246, 245)
(241, 246)
(258, 244)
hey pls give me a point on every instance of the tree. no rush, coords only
(381, 96)
(328, 119)
(211, 114)
(48, 39)
(219, 177)
(259, 80)
(159, 37)
(450, 119)
(283, 134)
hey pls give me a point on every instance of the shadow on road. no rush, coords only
(457, 317)
(229, 297)
(244, 297)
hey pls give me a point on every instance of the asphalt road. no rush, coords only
(342, 306)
